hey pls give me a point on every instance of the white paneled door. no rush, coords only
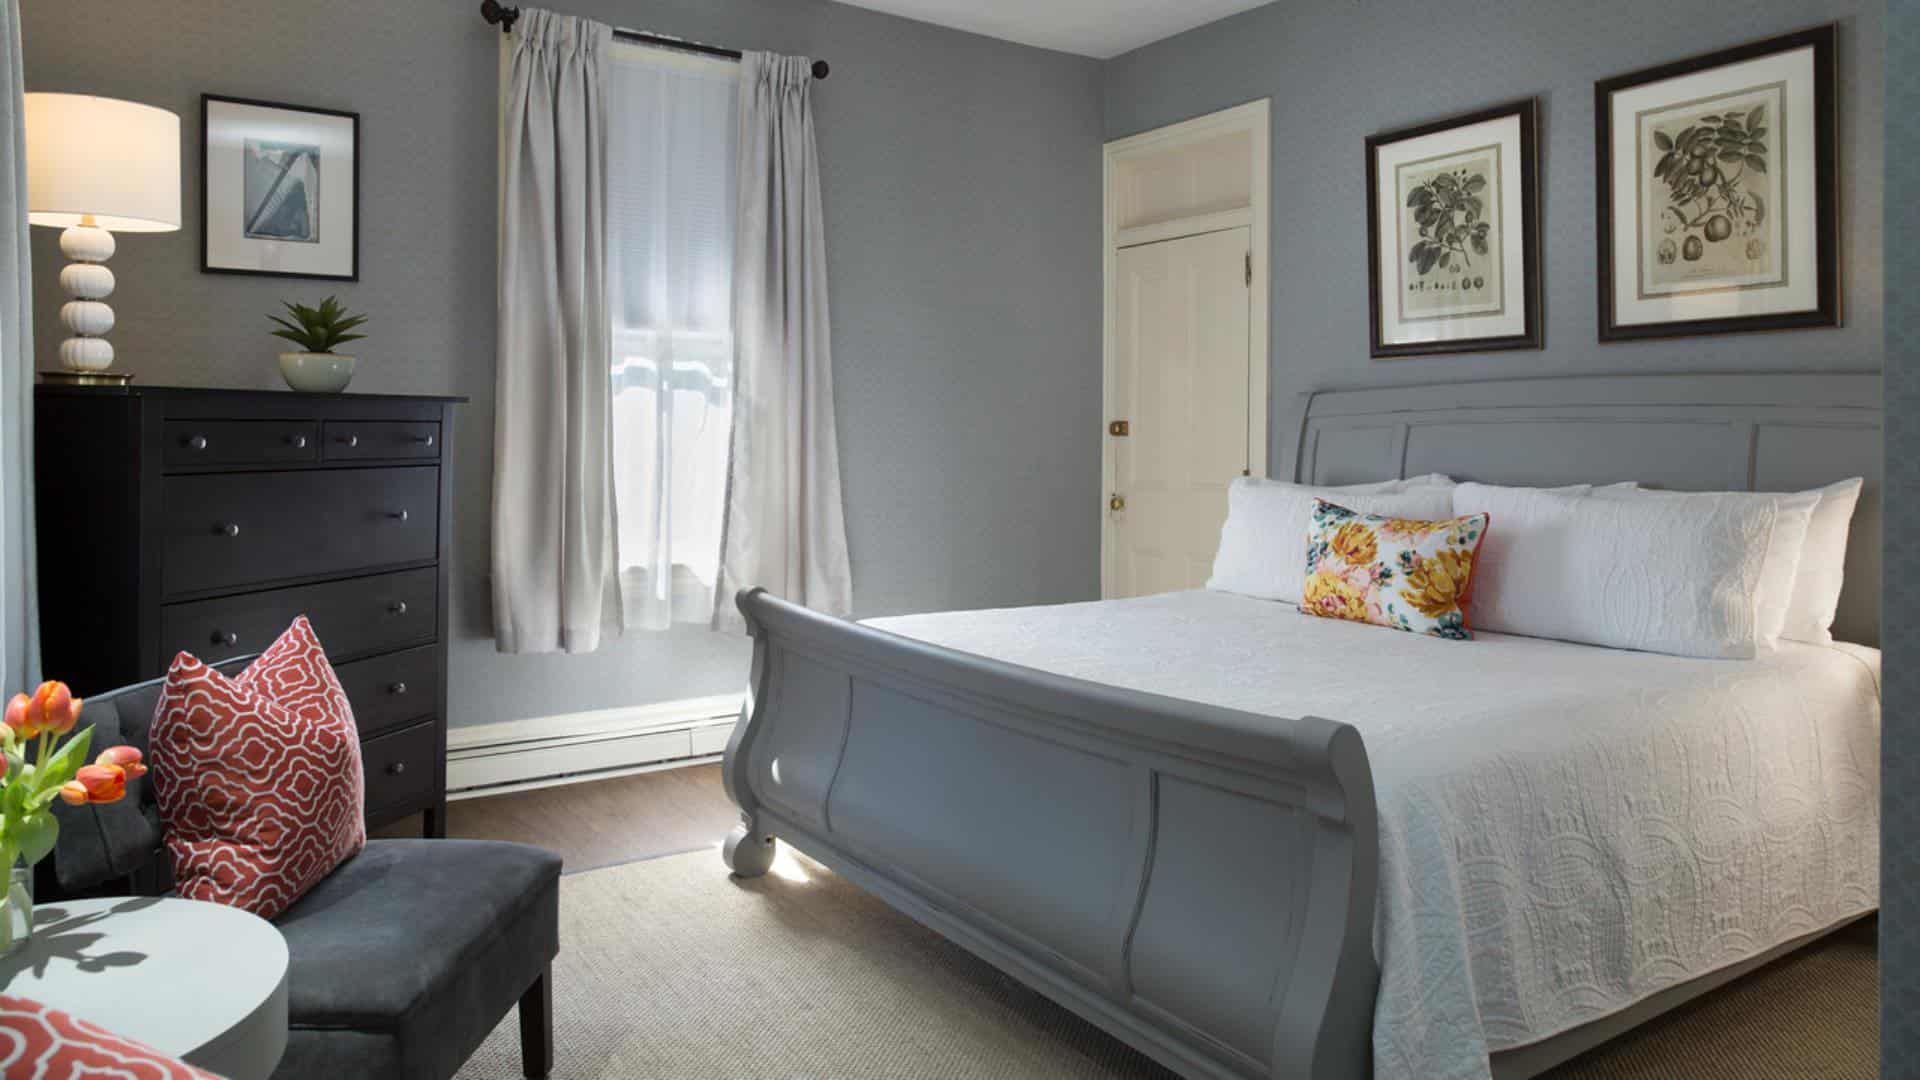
(1179, 426)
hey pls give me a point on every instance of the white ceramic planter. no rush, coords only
(316, 373)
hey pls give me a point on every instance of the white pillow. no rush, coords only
(1775, 593)
(1660, 575)
(1263, 546)
(1425, 480)
(1817, 578)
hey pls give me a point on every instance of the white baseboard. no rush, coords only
(519, 755)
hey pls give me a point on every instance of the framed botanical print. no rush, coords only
(1453, 248)
(1717, 183)
(279, 189)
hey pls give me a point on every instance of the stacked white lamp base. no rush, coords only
(87, 355)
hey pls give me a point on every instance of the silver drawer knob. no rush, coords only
(398, 515)
(231, 528)
(225, 637)
(423, 440)
(397, 768)
(298, 442)
(398, 607)
(350, 440)
(397, 689)
(198, 442)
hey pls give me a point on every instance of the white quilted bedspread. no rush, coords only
(1564, 829)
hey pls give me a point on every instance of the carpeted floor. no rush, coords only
(669, 968)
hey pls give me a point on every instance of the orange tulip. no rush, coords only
(55, 706)
(102, 783)
(17, 715)
(73, 793)
(124, 758)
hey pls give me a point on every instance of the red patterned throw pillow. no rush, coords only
(43, 1042)
(258, 777)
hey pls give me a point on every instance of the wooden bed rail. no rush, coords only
(1198, 881)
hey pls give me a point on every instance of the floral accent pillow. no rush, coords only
(1397, 572)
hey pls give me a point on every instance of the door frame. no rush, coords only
(1253, 118)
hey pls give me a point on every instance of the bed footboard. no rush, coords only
(1198, 881)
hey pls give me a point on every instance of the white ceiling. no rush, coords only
(1097, 28)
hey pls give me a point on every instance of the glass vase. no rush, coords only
(16, 910)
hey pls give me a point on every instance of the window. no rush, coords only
(670, 164)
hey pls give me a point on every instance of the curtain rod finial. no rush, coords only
(503, 17)
(820, 69)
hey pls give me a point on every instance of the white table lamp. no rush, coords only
(97, 166)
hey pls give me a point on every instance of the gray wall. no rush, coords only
(961, 180)
(1338, 72)
(1900, 638)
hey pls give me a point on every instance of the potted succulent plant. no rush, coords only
(42, 759)
(316, 368)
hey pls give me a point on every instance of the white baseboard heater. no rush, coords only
(517, 755)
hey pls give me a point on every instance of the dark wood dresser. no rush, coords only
(175, 519)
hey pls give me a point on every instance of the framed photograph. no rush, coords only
(1453, 245)
(1718, 204)
(279, 189)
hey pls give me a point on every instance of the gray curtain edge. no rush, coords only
(19, 600)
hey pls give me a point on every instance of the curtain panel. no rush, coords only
(553, 498)
(784, 527)
(19, 615)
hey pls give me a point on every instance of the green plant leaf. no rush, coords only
(1758, 114)
(64, 762)
(36, 834)
(1662, 140)
(1756, 163)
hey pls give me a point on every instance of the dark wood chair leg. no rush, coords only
(433, 822)
(536, 1027)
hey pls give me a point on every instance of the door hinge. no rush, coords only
(1119, 427)
(1249, 269)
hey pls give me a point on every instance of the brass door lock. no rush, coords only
(1118, 427)
(1117, 502)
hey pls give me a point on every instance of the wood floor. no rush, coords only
(1814, 1013)
(601, 822)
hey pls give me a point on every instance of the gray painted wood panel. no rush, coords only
(1684, 432)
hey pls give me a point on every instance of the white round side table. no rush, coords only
(202, 982)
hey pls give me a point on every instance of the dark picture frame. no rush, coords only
(1825, 208)
(275, 230)
(1528, 293)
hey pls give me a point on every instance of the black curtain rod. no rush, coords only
(503, 17)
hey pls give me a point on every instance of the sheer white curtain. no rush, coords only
(670, 154)
(19, 622)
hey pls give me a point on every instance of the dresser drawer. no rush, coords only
(236, 529)
(359, 440)
(400, 769)
(387, 691)
(192, 443)
(352, 618)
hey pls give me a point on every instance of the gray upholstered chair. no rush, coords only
(399, 963)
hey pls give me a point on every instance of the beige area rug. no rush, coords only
(670, 968)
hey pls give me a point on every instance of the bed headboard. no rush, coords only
(1720, 432)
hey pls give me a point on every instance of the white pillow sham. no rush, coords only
(1775, 593)
(1263, 545)
(1817, 578)
(1659, 575)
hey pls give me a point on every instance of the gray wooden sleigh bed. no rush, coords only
(1201, 882)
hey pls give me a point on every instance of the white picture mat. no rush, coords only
(229, 126)
(1802, 289)
(1511, 322)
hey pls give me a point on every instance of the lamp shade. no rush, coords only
(117, 162)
